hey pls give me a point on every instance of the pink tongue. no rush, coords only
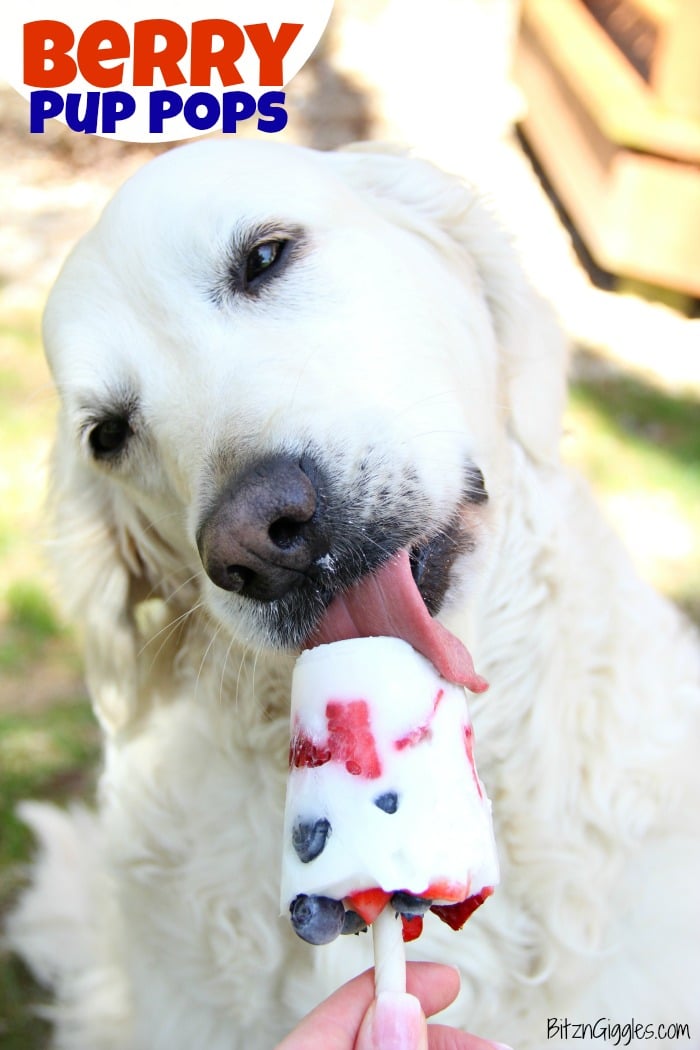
(388, 603)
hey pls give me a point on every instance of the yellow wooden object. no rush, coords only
(622, 155)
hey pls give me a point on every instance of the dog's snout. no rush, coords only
(265, 532)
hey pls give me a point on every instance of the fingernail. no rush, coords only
(398, 1022)
(501, 1046)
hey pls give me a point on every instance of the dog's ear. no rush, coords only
(533, 346)
(100, 578)
(454, 216)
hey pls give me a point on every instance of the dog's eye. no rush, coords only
(262, 258)
(109, 437)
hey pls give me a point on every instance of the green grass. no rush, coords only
(31, 609)
(48, 737)
(30, 621)
(43, 754)
(640, 447)
(48, 754)
(27, 415)
(20, 1026)
(655, 434)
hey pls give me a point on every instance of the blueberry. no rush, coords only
(353, 923)
(408, 905)
(309, 838)
(389, 801)
(317, 920)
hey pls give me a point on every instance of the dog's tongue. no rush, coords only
(388, 603)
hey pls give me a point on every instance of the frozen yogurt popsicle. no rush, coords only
(385, 809)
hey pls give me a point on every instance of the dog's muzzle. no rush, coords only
(313, 561)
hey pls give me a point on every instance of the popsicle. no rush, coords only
(386, 817)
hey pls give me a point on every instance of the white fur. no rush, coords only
(407, 326)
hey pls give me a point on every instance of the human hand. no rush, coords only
(351, 1019)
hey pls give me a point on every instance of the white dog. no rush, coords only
(279, 370)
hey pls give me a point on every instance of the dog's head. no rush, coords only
(289, 381)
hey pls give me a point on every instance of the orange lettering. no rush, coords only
(47, 41)
(271, 52)
(204, 58)
(147, 58)
(92, 54)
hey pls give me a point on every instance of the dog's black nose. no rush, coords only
(265, 531)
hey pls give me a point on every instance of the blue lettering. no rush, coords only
(116, 105)
(212, 109)
(271, 106)
(87, 123)
(43, 105)
(238, 106)
(162, 106)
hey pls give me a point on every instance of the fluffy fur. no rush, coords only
(400, 340)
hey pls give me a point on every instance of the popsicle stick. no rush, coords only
(389, 952)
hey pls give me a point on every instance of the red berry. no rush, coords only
(368, 903)
(412, 927)
(304, 752)
(350, 738)
(455, 915)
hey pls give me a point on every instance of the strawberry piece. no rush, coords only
(445, 890)
(350, 738)
(455, 915)
(420, 733)
(412, 927)
(303, 752)
(469, 745)
(368, 903)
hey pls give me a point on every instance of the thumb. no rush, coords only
(394, 1021)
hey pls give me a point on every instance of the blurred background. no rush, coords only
(582, 117)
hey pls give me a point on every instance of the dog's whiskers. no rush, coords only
(238, 678)
(153, 525)
(223, 670)
(205, 654)
(411, 406)
(157, 589)
(253, 693)
(168, 630)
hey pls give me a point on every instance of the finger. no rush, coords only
(334, 1024)
(394, 1021)
(434, 984)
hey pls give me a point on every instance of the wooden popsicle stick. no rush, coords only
(389, 952)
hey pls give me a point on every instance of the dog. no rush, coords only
(286, 375)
